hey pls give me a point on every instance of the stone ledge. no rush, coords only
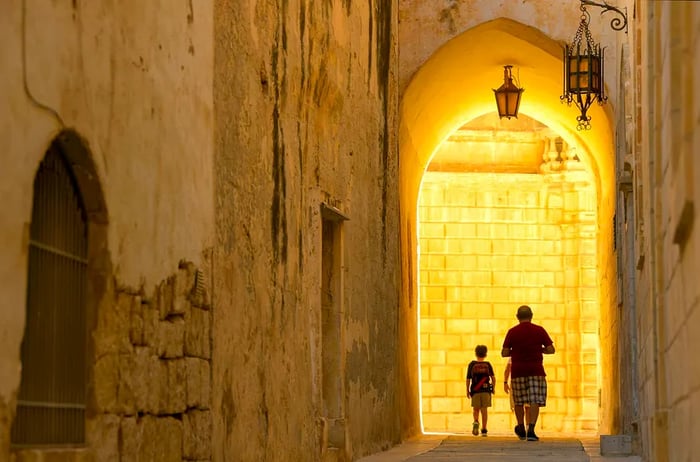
(615, 445)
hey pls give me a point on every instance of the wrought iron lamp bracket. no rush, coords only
(616, 23)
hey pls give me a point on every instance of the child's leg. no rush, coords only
(484, 417)
(476, 414)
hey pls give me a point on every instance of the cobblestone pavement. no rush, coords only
(467, 448)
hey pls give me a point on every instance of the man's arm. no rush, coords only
(505, 352)
(548, 343)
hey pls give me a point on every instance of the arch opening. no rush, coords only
(67, 274)
(506, 214)
(445, 95)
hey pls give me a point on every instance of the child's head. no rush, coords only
(480, 351)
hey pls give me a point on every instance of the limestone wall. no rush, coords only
(152, 372)
(488, 244)
(305, 116)
(665, 171)
(134, 81)
(427, 26)
(300, 146)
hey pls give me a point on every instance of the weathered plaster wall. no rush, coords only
(666, 196)
(620, 403)
(305, 115)
(306, 111)
(135, 81)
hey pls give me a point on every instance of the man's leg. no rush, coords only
(537, 393)
(519, 414)
(526, 407)
(519, 392)
(520, 417)
(533, 413)
(538, 397)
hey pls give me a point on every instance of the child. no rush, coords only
(480, 385)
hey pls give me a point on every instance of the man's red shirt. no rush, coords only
(526, 341)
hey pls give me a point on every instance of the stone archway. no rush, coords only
(454, 87)
(76, 152)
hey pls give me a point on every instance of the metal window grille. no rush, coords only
(52, 395)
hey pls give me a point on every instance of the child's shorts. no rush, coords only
(482, 399)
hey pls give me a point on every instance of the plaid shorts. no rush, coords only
(529, 390)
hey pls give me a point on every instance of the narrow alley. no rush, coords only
(467, 448)
(297, 230)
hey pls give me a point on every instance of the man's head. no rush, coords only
(480, 351)
(524, 313)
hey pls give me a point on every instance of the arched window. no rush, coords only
(52, 394)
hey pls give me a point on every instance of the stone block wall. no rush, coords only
(489, 243)
(152, 372)
(150, 383)
(106, 74)
(305, 116)
(665, 170)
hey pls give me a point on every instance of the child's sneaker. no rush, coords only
(484, 432)
(475, 428)
(520, 431)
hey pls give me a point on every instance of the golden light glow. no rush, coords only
(489, 243)
(443, 96)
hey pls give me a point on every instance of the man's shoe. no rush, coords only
(484, 432)
(520, 431)
(531, 436)
(475, 428)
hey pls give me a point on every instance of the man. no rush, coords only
(525, 343)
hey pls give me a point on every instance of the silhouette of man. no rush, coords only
(525, 343)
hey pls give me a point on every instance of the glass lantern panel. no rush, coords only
(579, 64)
(513, 100)
(501, 103)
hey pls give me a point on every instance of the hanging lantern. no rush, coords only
(508, 95)
(584, 81)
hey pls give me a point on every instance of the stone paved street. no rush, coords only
(466, 448)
